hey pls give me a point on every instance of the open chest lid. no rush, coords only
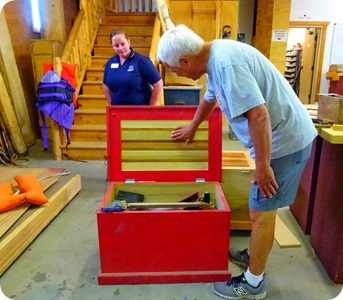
(140, 148)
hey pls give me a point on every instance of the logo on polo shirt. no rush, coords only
(131, 68)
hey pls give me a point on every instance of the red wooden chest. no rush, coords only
(163, 246)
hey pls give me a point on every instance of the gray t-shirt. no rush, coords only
(240, 78)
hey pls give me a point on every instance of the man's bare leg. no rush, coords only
(261, 239)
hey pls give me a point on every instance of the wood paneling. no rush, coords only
(19, 22)
(272, 15)
(206, 18)
(11, 74)
(52, 13)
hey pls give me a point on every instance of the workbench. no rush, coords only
(318, 206)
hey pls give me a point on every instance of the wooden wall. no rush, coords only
(19, 22)
(18, 18)
(272, 15)
(206, 18)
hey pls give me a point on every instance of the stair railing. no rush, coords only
(81, 41)
(78, 51)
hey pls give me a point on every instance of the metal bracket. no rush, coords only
(130, 180)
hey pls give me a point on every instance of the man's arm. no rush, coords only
(187, 132)
(260, 132)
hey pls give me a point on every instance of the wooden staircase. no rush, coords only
(88, 133)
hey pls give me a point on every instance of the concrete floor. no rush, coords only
(63, 261)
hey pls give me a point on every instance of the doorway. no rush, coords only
(311, 37)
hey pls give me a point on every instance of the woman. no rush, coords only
(129, 75)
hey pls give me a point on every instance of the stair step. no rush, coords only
(95, 73)
(99, 61)
(90, 117)
(109, 51)
(85, 151)
(92, 87)
(136, 41)
(131, 30)
(88, 133)
(130, 18)
(88, 101)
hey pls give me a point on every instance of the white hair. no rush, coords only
(177, 42)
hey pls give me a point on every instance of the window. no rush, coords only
(36, 21)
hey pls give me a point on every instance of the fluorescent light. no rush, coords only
(36, 24)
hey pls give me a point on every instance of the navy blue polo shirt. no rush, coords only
(130, 82)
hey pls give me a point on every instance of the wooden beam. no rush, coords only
(272, 15)
(16, 241)
(283, 236)
(8, 116)
(13, 82)
(52, 12)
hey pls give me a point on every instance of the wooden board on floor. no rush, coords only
(283, 236)
(8, 218)
(35, 219)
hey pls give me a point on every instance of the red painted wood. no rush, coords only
(117, 113)
(302, 209)
(163, 246)
(327, 225)
(336, 87)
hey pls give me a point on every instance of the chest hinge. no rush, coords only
(130, 180)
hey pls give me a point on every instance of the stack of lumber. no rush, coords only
(21, 225)
(312, 109)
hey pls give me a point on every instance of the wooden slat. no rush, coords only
(164, 156)
(157, 135)
(283, 236)
(166, 145)
(161, 166)
(16, 241)
(163, 124)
